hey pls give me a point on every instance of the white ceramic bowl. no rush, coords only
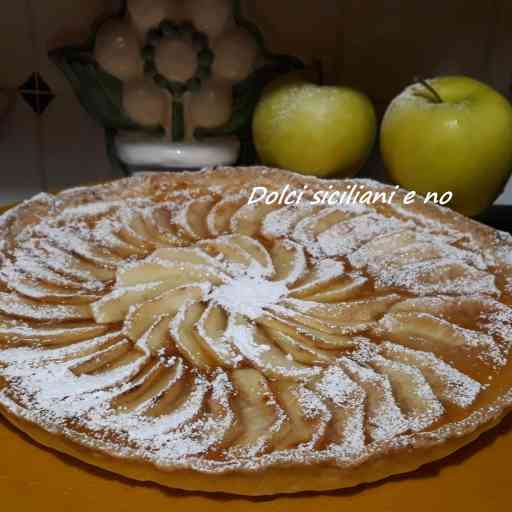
(154, 153)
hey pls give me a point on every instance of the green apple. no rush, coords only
(313, 129)
(452, 134)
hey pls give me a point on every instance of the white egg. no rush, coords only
(235, 55)
(212, 106)
(147, 14)
(145, 102)
(117, 50)
(176, 60)
(209, 16)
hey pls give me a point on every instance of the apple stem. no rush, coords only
(424, 83)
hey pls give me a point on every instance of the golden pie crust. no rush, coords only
(164, 329)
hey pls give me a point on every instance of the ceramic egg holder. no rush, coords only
(174, 82)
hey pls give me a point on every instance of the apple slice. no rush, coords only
(210, 333)
(307, 231)
(13, 304)
(174, 390)
(158, 223)
(183, 334)
(301, 349)
(69, 240)
(107, 234)
(19, 335)
(157, 338)
(256, 347)
(417, 401)
(384, 419)
(302, 425)
(383, 245)
(196, 214)
(73, 266)
(470, 351)
(281, 222)
(147, 389)
(307, 333)
(247, 220)
(344, 289)
(235, 260)
(319, 278)
(102, 359)
(346, 401)
(219, 217)
(180, 273)
(448, 384)
(133, 230)
(256, 251)
(141, 317)
(34, 289)
(344, 317)
(289, 261)
(34, 267)
(227, 426)
(259, 413)
(114, 306)
(193, 256)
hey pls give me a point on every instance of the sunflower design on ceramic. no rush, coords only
(191, 69)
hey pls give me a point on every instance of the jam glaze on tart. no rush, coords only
(164, 329)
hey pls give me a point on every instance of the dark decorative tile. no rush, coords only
(37, 93)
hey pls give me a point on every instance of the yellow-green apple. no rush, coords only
(451, 133)
(313, 129)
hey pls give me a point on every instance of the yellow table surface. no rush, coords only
(476, 478)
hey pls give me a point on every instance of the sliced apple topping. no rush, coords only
(343, 317)
(420, 406)
(114, 306)
(257, 348)
(383, 415)
(35, 289)
(301, 349)
(157, 338)
(140, 317)
(210, 332)
(289, 261)
(382, 246)
(73, 266)
(423, 331)
(192, 218)
(18, 335)
(449, 384)
(247, 220)
(306, 415)
(346, 401)
(220, 215)
(15, 305)
(145, 389)
(307, 333)
(181, 273)
(260, 415)
(185, 338)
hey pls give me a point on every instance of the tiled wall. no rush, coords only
(377, 46)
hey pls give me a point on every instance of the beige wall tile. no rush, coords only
(309, 29)
(20, 171)
(73, 146)
(388, 42)
(16, 44)
(61, 22)
(500, 58)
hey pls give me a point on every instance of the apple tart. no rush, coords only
(165, 329)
